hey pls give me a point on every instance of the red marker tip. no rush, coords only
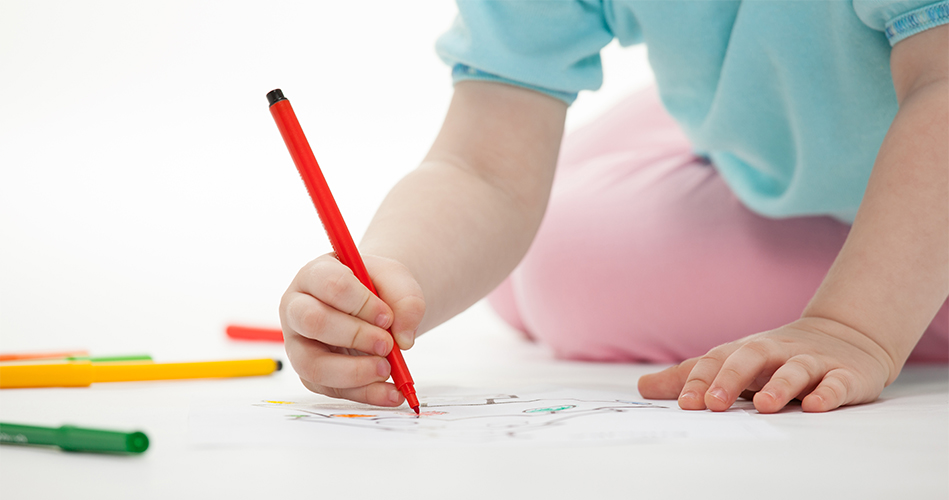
(410, 397)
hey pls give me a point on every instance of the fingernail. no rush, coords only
(381, 348)
(406, 339)
(394, 396)
(821, 404)
(770, 395)
(689, 395)
(382, 320)
(382, 368)
(719, 394)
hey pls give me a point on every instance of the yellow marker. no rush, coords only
(84, 373)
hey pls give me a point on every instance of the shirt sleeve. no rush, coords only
(550, 46)
(902, 19)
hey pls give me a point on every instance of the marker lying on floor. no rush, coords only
(85, 373)
(238, 332)
(72, 356)
(20, 356)
(125, 358)
(72, 438)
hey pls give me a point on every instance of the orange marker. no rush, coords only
(10, 356)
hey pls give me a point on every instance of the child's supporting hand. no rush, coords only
(887, 283)
(822, 362)
(334, 328)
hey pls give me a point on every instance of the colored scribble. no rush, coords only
(280, 402)
(470, 418)
(549, 410)
(464, 416)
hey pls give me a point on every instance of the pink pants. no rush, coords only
(646, 255)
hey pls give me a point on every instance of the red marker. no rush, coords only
(239, 332)
(332, 221)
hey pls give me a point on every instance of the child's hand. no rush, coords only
(820, 361)
(334, 328)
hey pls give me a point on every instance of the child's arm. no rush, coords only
(887, 283)
(447, 234)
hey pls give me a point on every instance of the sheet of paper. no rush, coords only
(466, 416)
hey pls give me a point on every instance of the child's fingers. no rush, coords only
(315, 320)
(409, 311)
(398, 288)
(668, 383)
(332, 283)
(344, 371)
(701, 377)
(835, 390)
(317, 364)
(738, 371)
(376, 394)
(795, 377)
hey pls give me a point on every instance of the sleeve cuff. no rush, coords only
(916, 21)
(462, 72)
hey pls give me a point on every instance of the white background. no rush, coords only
(146, 198)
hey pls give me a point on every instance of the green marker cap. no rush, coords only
(71, 438)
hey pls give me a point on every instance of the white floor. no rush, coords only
(895, 448)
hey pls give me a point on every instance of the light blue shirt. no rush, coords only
(789, 99)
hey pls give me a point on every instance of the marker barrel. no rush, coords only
(121, 372)
(326, 207)
(71, 438)
(12, 356)
(133, 358)
(238, 332)
(84, 373)
(74, 374)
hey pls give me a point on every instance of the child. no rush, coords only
(799, 220)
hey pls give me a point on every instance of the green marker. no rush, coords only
(111, 359)
(72, 438)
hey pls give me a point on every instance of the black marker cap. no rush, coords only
(275, 96)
